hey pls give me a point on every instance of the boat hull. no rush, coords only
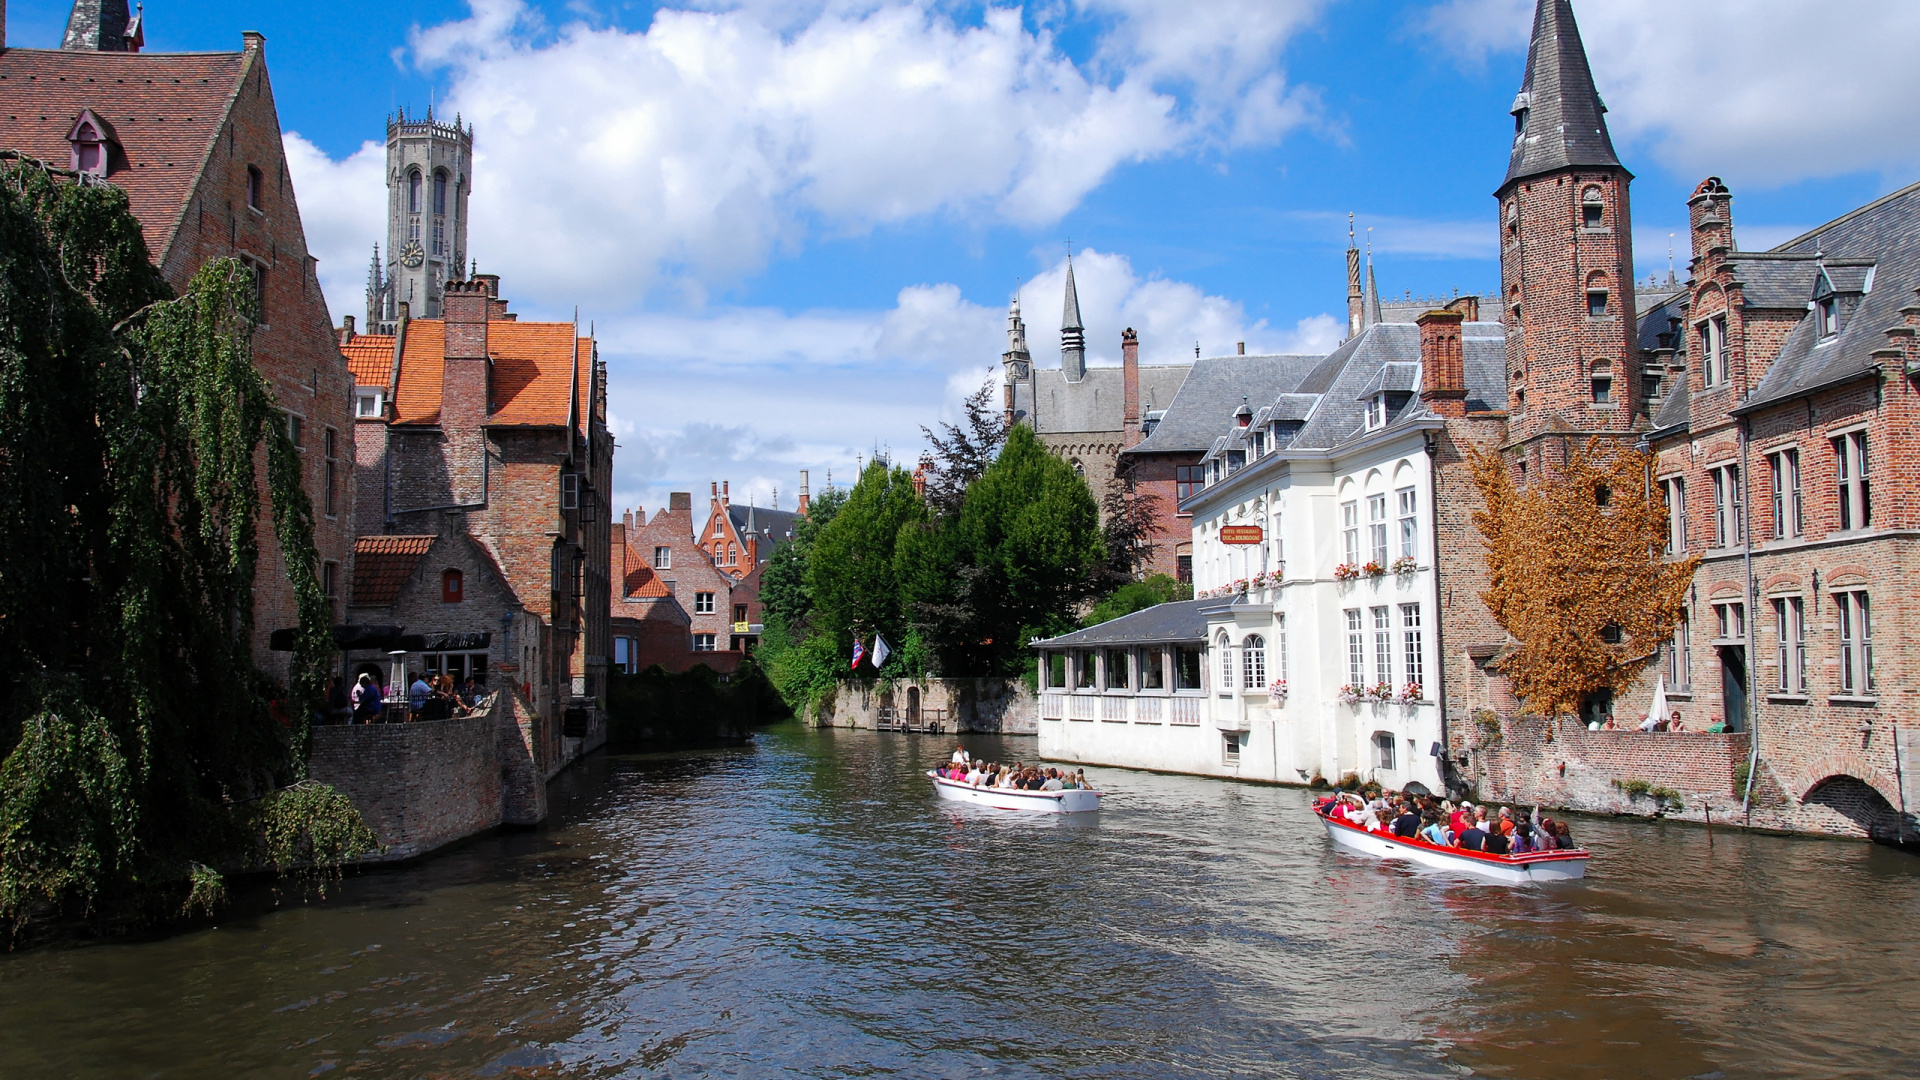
(1527, 869)
(1075, 801)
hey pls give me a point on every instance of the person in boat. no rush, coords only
(1473, 837)
(1496, 842)
(1435, 833)
(1053, 781)
(1406, 824)
(1563, 836)
(960, 756)
(1460, 818)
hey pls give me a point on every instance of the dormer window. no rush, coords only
(1593, 208)
(1259, 443)
(1828, 311)
(368, 401)
(1377, 412)
(91, 140)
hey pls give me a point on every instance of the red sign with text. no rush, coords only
(1241, 534)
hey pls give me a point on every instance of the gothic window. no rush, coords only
(1593, 209)
(1602, 382)
(1253, 662)
(413, 191)
(1596, 294)
(440, 191)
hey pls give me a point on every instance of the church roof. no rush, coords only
(1565, 120)
(1070, 311)
(1094, 403)
(774, 525)
(165, 108)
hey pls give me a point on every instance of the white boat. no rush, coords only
(1071, 801)
(1508, 869)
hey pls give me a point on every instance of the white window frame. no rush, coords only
(1680, 654)
(1253, 663)
(1852, 489)
(1409, 500)
(1783, 466)
(1854, 619)
(1413, 646)
(369, 402)
(1383, 645)
(1356, 649)
(662, 557)
(1377, 528)
(1676, 490)
(1729, 510)
(1790, 630)
(703, 603)
(704, 643)
(1350, 530)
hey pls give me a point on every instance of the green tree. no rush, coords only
(1137, 596)
(851, 573)
(140, 746)
(786, 598)
(1025, 550)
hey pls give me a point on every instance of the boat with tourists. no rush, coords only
(1509, 869)
(1068, 801)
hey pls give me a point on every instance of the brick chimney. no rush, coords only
(1710, 213)
(1468, 306)
(1130, 386)
(1443, 369)
(805, 497)
(346, 321)
(464, 383)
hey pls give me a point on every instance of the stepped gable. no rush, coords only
(164, 108)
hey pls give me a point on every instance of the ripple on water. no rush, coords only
(803, 907)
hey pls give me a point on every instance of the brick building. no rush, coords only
(679, 557)
(194, 141)
(649, 625)
(489, 434)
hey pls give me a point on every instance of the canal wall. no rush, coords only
(979, 706)
(422, 786)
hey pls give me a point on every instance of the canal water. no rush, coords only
(803, 907)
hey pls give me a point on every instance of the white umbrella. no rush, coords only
(1658, 710)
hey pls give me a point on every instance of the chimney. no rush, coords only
(346, 321)
(680, 502)
(726, 493)
(464, 383)
(1130, 386)
(406, 310)
(1443, 371)
(805, 497)
(1468, 306)
(1710, 213)
(253, 40)
(1240, 348)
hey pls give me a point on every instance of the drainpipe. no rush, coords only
(1752, 597)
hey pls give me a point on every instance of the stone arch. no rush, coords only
(1855, 801)
(1721, 589)
(1846, 576)
(1847, 765)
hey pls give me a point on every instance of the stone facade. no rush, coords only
(429, 177)
(980, 706)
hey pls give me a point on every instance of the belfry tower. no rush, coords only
(1566, 250)
(429, 176)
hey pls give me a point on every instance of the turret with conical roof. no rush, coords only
(1073, 336)
(1559, 120)
(1566, 250)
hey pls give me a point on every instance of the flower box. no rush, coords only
(1346, 571)
(1350, 694)
(1373, 570)
(1406, 564)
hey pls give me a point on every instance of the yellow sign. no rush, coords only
(742, 628)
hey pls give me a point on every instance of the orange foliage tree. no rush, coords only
(1577, 575)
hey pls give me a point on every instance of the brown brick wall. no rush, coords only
(419, 786)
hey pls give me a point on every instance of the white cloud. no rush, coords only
(1765, 92)
(343, 208)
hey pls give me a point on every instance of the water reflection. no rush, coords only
(805, 906)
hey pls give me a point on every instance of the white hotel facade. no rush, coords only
(1314, 652)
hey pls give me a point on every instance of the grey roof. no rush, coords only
(1070, 311)
(1393, 376)
(1180, 621)
(1656, 318)
(1344, 376)
(1095, 402)
(1565, 118)
(1772, 280)
(1887, 232)
(774, 526)
(1205, 404)
(1292, 407)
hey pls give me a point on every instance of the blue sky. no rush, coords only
(796, 223)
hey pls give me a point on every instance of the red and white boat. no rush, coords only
(1525, 869)
(1071, 801)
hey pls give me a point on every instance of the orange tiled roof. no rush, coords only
(532, 369)
(166, 109)
(642, 583)
(382, 566)
(370, 358)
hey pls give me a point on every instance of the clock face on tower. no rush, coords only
(412, 255)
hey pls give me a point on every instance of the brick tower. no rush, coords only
(1566, 251)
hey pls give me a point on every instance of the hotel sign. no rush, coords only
(1241, 534)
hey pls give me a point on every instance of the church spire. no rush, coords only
(1355, 310)
(1073, 336)
(1558, 118)
(1370, 306)
(102, 26)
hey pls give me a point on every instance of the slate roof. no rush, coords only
(1885, 232)
(1175, 622)
(532, 368)
(774, 525)
(1345, 377)
(1773, 280)
(1095, 402)
(382, 566)
(1204, 407)
(165, 108)
(1566, 120)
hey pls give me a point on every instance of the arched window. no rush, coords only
(1603, 382)
(453, 587)
(1253, 662)
(1225, 645)
(440, 191)
(1593, 208)
(413, 191)
(1383, 755)
(1596, 294)
(1079, 469)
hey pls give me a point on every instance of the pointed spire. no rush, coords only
(1559, 119)
(99, 26)
(1016, 334)
(1355, 310)
(1073, 336)
(1370, 306)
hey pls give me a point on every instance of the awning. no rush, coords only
(349, 638)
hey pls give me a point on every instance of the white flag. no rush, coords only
(880, 651)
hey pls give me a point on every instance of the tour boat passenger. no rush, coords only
(1436, 833)
(1053, 782)
(1407, 825)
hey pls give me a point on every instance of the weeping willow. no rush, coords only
(143, 752)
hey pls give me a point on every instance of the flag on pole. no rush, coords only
(880, 651)
(859, 654)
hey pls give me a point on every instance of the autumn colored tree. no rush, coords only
(1578, 579)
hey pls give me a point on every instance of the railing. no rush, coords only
(1146, 710)
(1113, 710)
(929, 721)
(1053, 706)
(1186, 711)
(1080, 707)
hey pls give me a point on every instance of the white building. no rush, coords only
(1313, 650)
